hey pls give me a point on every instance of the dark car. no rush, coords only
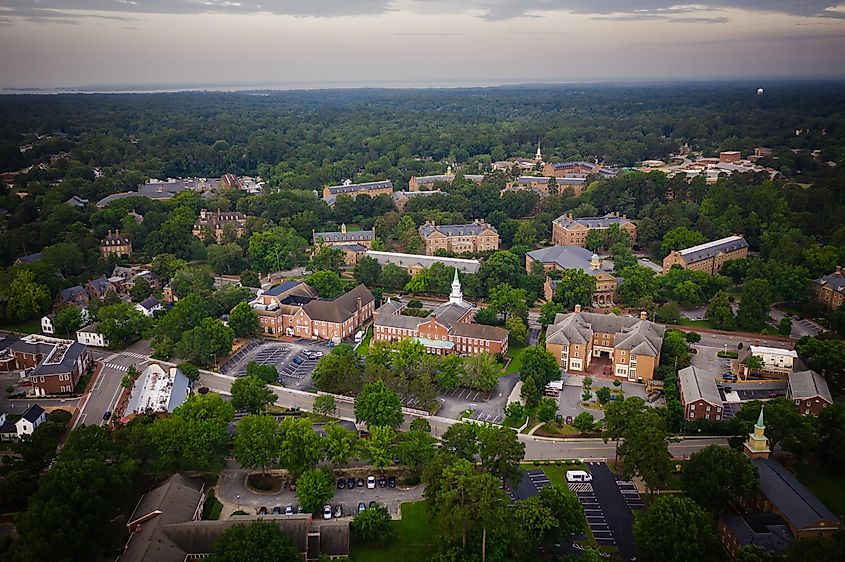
(262, 510)
(361, 507)
(292, 486)
(277, 510)
(298, 360)
(350, 483)
(391, 481)
(382, 481)
(373, 503)
(341, 483)
(106, 416)
(360, 483)
(568, 420)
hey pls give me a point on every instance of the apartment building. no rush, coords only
(830, 289)
(115, 244)
(448, 329)
(477, 236)
(570, 231)
(809, 391)
(700, 396)
(563, 169)
(293, 309)
(218, 223)
(708, 257)
(372, 189)
(625, 347)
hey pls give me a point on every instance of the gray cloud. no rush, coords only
(491, 9)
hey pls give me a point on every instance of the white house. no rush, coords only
(32, 418)
(774, 359)
(47, 325)
(90, 336)
(148, 306)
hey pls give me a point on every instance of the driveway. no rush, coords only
(569, 402)
(490, 408)
(231, 488)
(800, 328)
(281, 355)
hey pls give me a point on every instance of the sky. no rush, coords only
(327, 43)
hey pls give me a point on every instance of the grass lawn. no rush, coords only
(826, 483)
(212, 508)
(413, 540)
(364, 348)
(697, 324)
(515, 353)
(552, 429)
(31, 327)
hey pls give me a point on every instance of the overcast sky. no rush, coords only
(68, 43)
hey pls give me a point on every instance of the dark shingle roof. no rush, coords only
(834, 281)
(808, 384)
(472, 229)
(149, 303)
(33, 413)
(280, 289)
(63, 364)
(72, 292)
(592, 222)
(341, 308)
(793, 500)
(350, 236)
(710, 249)
(31, 258)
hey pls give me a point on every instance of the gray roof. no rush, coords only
(149, 303)
(409, 260)
(76, 201)
(767, 530)
(471, 229)
(640, 337)
(479, 331)
(397, 195)
(350, 236)
(55, 363)
(355, 187)
(31, 258)
(449, 313)
(698, 385)
(350, 247)
(100, 284)
(33, 413)
(592, 222)
(392, 319)
(341, 308)
(282, 288)
(793, 500)
(390, 307)
(72, 292)
(570, 257)
(834, 281)
(90, 328)
(433, 179)
(710, 249)
(808, 384)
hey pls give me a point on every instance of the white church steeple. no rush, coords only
(457, 295)
(539, 156)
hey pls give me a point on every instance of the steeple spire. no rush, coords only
(757, 444)
(457, 295)
(539, 156)
(760, 423)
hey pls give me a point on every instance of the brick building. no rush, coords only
(448, 329)
(114, 244)
(353, 244)
(477, 236)
(218, 223)
(570, 231)
(575, 257)
(57, 364)
(631, 344)
(708, 257)
(373, 188)
(830, 289)
(809, 391)
(700, 396)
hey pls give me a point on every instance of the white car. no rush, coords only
(578, 476)
(327, 512)
(371, 482)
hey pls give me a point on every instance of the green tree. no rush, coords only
(260, 541)
(393, 277)
(461, 440)
(255, 443)
(500, 451)
(338, 444)
(326, 258)
(140, 290)
(825, 356)
(619, 415)
(603, 394)
(314, 488)
(753, 310)
(575, 287)
(226, 259)
(644, 451)
(546, 409)
(299, 446)
(328, 284)
(243, 321)
(250, 278)
(325, 404)
(638, 284)
(275, 249)
(539, 368)
(190, 371)
(379, 447)
(754, 553)
(548, 311)
(26, 297)
(534, 521)
(121, 323)
(517, 331)
(507, 301)
(785, 426)
(378, 405)
(831, 428)
(717, 477)
(584, 422)
(68, 320)
(340, 371)
(192, 280)
(251, 394)
(373, 525)
(526, 234)
(675, 529)
(680, 238)
(167, 265)
(481, 372)
(785, 327)
(415, 448)
(210, 340)
(367, 271)
(565, 507)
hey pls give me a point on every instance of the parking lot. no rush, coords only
(294, 361)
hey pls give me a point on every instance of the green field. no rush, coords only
(413, 539)
(697, 324)
(364, 348)
(31, 327)
(515, 353)
(826, 483)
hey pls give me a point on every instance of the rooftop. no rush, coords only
(158, 390)
(409, 260)
(808, 384)
(710, 249)
(798, 506)
(592, 222)
(571, 257)
(762, 349)
(698, 385)
(471, 229)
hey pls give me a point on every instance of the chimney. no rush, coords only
(577, 308)
(839, 269)
(359, 303)
(643, 315)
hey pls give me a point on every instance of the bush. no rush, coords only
(558, 463)
(414, 303)
(617, 383)
(411, 480)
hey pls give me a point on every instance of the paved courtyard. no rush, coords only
(293, 367)
(569, 401)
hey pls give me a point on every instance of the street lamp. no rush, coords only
(239, 502)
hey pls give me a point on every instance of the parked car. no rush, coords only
(372, 503)
(298, 360)
(327, 512)
(277, 510)
(350, 483)
(371, 482)
(360, 483)
(288, 509)
(262, 510)
(107, 415)
(341, 483)
(568, 420)
(391, 481)
(338, 510)
(382, 481)
(578, 476)
(361, 507)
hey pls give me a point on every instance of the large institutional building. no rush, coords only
(294, 309)
(215, 222)
(830, 289)
(631, 344)
(708, 257)
(575, 257)
(448, 329)
(353, 244)
(477, 236)
(373, 188)
(430, 183)
(115, 244)
(569, 231)
(53, 365)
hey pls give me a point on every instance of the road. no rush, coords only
(536, 448)
(106, 388)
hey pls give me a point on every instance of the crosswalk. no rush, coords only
(117, 367)
(135, 355)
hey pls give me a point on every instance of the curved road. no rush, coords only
(536, 448)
